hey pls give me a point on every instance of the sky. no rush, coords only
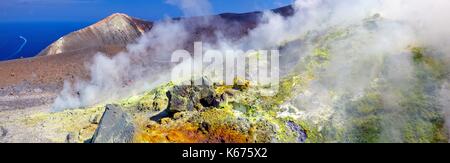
(94, 10)
(28, 26)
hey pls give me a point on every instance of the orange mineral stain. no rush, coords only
(189, 133)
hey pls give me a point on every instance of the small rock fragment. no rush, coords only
(241, 84)
(95, 119)
(165, 121)
(71, 137)
(156, 102)
(115, 127)
(3, 132)
(204, 127)
(178, 115)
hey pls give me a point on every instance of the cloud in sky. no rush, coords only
(193, 8)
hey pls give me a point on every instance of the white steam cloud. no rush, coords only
(375, 52)
(142, 66)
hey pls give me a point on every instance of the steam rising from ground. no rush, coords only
(372, 67)
(371, 55)
(142, 66)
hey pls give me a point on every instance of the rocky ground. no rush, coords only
(177, 114)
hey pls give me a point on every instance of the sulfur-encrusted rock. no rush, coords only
(95, 119)
(115, 126)
(189, 98)
(154, 102)
(263, 131)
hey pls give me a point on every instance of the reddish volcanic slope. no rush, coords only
(117, 30)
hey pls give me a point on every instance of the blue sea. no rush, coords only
(27, 39)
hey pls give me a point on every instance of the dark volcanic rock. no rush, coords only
(71, 137)
(115, 127)
(3, 132)
(190, 97)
